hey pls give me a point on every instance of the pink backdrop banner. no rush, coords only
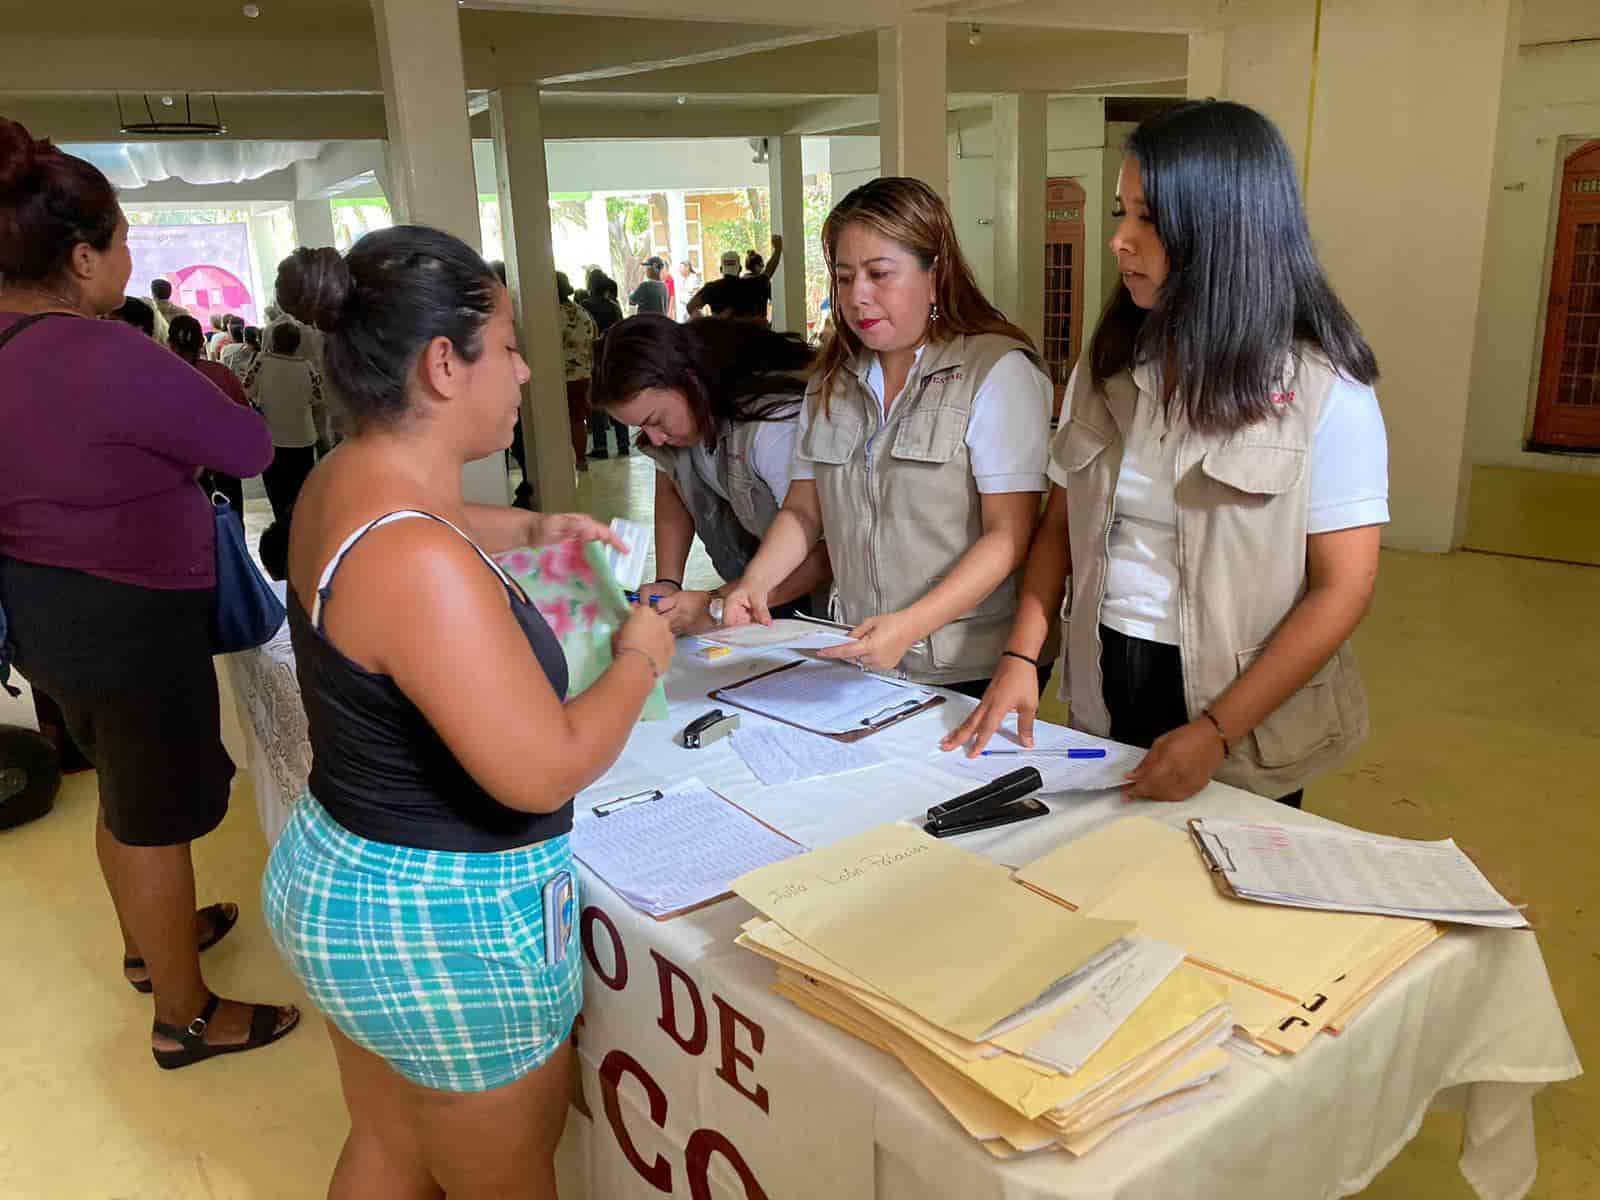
(208, 266)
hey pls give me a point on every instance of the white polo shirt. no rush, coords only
(1349, 488)
(1008, 434)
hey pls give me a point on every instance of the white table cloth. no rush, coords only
(704, 1084)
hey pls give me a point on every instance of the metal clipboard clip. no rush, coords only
(1207, 853)
(885, 715)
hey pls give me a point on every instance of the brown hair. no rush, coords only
(50, 202)
(913, 216)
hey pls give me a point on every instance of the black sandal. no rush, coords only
(191, 1038)
(223, 916)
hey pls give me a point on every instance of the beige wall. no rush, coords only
(1553, 96)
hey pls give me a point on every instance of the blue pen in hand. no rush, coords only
(1085, 752)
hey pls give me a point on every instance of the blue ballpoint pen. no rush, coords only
(1091, 752)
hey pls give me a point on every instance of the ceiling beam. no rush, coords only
(1126, 16)
(590, 123)
(836, 118)
(248, 118)
(834, 14)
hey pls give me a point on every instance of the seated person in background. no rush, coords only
(739, 297)
(161, 293)
(408, 891)
(718, 403)
(1218, 521)
(245, 357)
(231, 351)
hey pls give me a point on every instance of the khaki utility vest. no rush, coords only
(899, 503)
(1243, 500)
(731, 529)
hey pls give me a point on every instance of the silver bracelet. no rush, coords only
(654, 670)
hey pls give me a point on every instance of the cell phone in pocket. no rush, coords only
(560, 910)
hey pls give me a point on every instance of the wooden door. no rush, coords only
(1063, 280)
(1568, 410)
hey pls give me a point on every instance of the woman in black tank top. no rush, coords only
(411, 888)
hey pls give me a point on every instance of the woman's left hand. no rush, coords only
(1178, 765)
(687, 612)
(546, 529)
(880, 642)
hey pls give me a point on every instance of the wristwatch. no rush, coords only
(714, 610)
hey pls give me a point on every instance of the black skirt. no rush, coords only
(131, 669)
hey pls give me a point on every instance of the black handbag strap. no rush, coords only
(18, 326)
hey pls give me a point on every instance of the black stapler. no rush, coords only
(1005, 801)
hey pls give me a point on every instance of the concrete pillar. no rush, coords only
(515, 118)
(1422, 143)
(787, 187)
(1206, 56)
(677, 234)
(313, 223)
(1019, 174)
(912, 101)
(430, 175)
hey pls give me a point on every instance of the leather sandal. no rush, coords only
(191, 1038)
(223, 916)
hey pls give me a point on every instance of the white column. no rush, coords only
(888, 103)
(677, 233)
(313, 223)
(531, 271)
(787, 184)
(430, 150)
(1422, 143)
(912, 101)
(1019, 175)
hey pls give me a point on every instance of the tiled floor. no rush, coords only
(1484, 677)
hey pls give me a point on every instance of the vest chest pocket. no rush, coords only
(1256, 468)
(932, 433)
(1077, 445)
(831, 440)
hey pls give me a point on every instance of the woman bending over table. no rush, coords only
(1219, 482)
(921, 449)
(718, 403)
(410, 889)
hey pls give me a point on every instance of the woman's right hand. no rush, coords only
(1014, 689)
(746, 605)
(648, 632)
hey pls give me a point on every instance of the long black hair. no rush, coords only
(381, 305)
(728, 370)
(1243, 284)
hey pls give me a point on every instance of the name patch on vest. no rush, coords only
(1283, 399)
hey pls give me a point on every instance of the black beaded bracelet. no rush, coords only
(674, 582)
(1032, 662)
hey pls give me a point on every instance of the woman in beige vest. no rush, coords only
(1220, 481)
(717, 404)
(921, 452)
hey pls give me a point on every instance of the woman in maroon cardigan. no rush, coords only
(108, 571)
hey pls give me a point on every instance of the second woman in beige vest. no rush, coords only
(1221, 479)
(921, 451)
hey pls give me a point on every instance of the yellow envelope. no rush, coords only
(940, 931)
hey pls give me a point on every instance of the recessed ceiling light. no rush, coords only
(683, 99)
(168, 101)
(252, 11)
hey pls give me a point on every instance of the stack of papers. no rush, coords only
(680, 851)
(827, 697)
(1289, 973)
(1034, 1027)
(1345, 870)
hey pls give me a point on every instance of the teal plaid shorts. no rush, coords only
(434, 960)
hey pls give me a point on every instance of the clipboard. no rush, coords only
(730, 695)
